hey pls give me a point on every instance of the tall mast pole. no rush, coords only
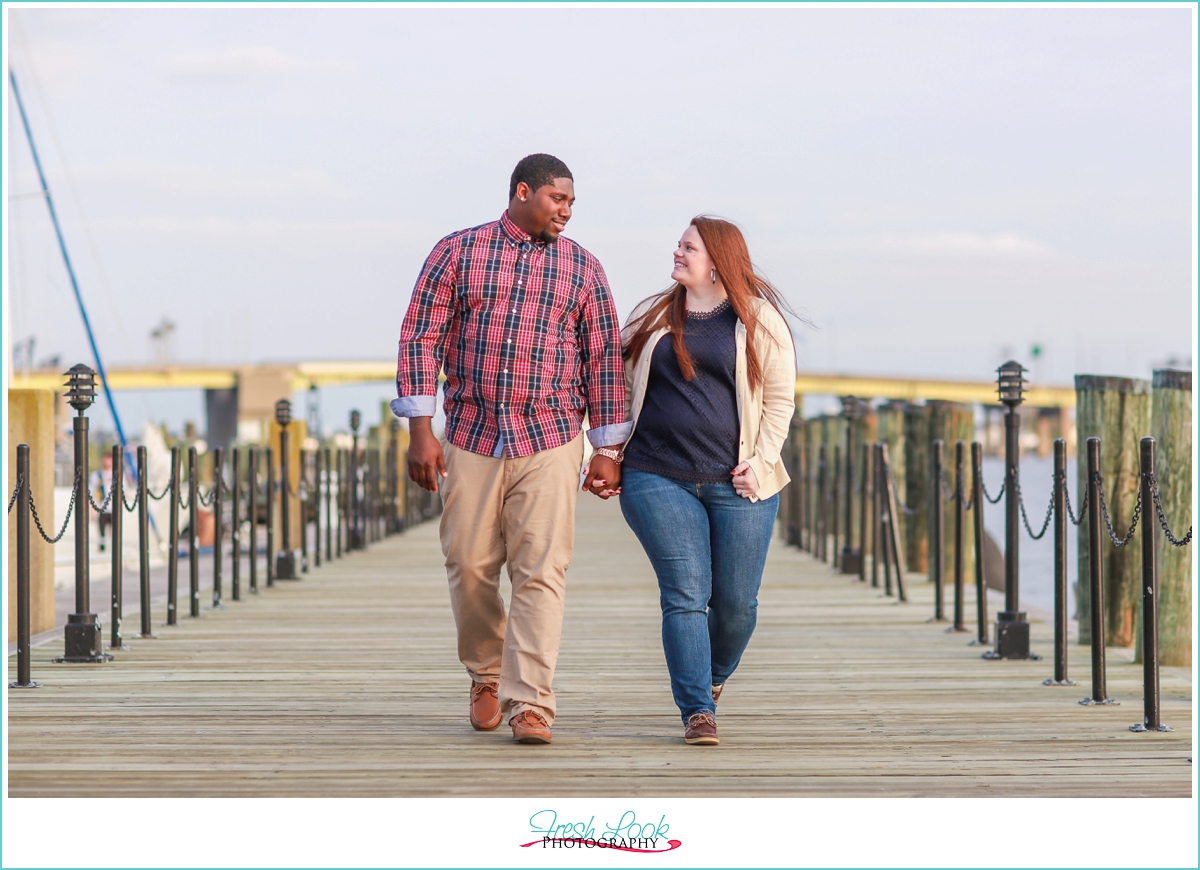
(62, 246)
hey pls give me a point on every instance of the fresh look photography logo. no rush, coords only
(628, 834)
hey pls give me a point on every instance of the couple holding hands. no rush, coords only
(688, 408)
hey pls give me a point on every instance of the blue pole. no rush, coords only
(62, 246)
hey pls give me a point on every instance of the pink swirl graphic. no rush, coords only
(602, 844)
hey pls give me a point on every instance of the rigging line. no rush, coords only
(19, 276)
(62, 246)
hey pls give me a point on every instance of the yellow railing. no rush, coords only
(333, 372)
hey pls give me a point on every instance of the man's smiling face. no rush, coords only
(543, 213)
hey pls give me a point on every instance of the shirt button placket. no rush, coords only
(506, 351)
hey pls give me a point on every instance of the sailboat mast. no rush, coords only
(62, 246)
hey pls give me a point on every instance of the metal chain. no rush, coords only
(16, 492)
(37, 521)
(999, 495)
(101, 508)
(206, 501)
(900, 504)
(961, 486)
(136, 495)
(1082, 508)
(946, 493)
(183, 506)
(1162, 519)
(1137, 510)
(295, 493)
(162, 494)
(1025, 518)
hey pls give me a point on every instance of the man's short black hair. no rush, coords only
(537, 170)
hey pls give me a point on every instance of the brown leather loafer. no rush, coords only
(485, 706)
(701, 730)
(529, 727)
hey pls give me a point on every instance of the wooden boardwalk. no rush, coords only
(347, 684)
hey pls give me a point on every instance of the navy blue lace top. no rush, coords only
(689, 430)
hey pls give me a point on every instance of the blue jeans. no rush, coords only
(708, 546)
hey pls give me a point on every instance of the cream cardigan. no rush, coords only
(765, 414)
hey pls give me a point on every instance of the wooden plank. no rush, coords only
(347, 683)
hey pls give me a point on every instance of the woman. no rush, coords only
(711, 376)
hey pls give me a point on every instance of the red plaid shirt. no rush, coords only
(528, 336)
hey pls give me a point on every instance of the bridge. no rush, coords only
(303, 375)
(240, 400)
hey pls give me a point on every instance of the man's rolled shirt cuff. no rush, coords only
(604, 436)
(414, 406)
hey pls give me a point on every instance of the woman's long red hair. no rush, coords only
(726, 247)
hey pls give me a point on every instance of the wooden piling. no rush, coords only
(866, 431)
(953, 422)
(812, 493)
(789, 504)
(1171, 425)
(832, 434)
(794, 496)
(1117, 411)
(890, 428)
(914, 493)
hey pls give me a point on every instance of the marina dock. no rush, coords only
(346, 683)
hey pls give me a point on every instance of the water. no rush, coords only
(1036, 557)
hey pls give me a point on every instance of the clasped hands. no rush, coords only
(604, 478)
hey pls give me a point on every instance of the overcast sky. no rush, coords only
(936, 189)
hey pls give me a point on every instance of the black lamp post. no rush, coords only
(849, 561)
(82, 635)
(1012, 631)
(285, 560)
(355, 541)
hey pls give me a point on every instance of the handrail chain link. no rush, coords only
(1082, 508)
(16, 492)
(1162, 519)
(905, 509)
(162, 494)
(66, 521)
(1137, 510)
(1025, 517)
(999, 495)
(101, 508)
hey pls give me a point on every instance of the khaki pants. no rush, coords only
(519, 512)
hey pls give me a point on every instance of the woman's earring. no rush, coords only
(712, 273)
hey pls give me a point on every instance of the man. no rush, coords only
(522, 321)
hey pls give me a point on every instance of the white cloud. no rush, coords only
(240, 61)
(963, 244)
(950, 245)
(218, 183)
(320, 237)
